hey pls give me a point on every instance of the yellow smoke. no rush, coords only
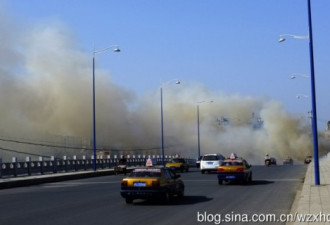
(46, 85)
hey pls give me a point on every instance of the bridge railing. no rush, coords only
(66, 164)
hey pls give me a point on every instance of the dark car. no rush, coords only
(121, 167)
(288, 161)
(270, 161)
(198, 161)
(308, 160)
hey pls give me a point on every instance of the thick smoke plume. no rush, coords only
(45, 90)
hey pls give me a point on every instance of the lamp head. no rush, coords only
(281, 39)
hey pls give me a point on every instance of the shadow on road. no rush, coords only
(186, 200)
(261, 182)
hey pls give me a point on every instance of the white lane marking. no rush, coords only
(70, 184)
(278, 180)
(286, 180)
(184, 180)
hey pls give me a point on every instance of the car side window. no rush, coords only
(167, 174)
(172, 174)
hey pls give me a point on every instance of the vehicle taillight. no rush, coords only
(240, 169)
(124, 183)
(155, 183)
(221, 169)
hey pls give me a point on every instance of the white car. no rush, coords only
(211, 162)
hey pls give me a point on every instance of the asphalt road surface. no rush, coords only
(96, 201)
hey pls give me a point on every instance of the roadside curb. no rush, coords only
(295, 204)
(312, 201)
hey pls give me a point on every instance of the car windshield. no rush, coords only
(145, 173)
(210, 158)
(178, 160)
(232, 163)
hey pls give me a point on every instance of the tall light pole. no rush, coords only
(162, 117)
(115, 49)
(198, 135)
(198, 131)
(313, 95)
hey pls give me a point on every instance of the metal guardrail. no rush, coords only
(55, 165)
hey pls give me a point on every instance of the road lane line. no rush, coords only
(70, 184)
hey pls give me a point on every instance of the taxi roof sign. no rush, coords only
(149, 162)
(233, 156)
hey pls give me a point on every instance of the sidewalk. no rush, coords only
(315, 200)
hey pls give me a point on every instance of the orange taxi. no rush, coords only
(151, 183)
(234, 169)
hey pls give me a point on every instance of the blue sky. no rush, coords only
(226, 45)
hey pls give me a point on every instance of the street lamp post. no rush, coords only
(198, 135)
(162, 118)
(162, 124)
(198, 131)
(315, 138)
(313, 95)
(115, 49)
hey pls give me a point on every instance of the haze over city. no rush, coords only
(224, 51)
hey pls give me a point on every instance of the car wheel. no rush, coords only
(181, 193)
(220, 182)
(166, 197)
(202, 171)
(129, 200)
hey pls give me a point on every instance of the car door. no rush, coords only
(247, 169)
(170, 182)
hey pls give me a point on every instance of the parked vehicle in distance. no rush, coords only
(270, 161)
(198, 161)
(288, 161)
(211, 162)
(121, 167)
(308, 159)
